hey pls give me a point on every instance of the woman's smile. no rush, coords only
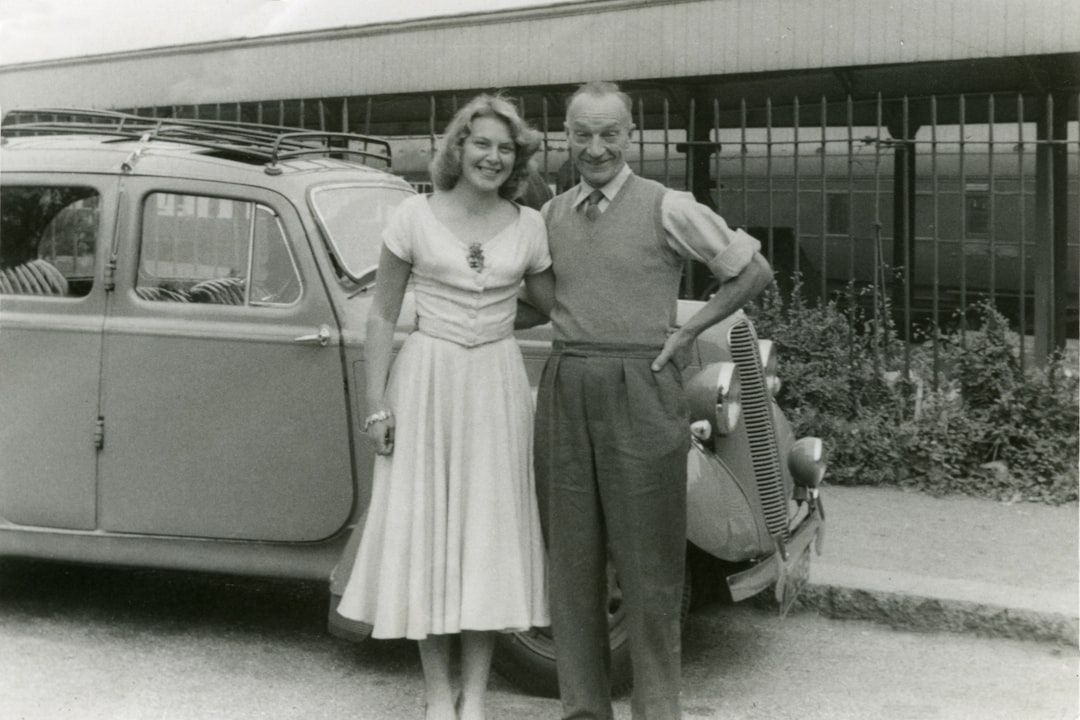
(488, 154)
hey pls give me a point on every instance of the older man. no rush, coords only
(612, 429)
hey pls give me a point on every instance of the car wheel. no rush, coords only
(527, 658)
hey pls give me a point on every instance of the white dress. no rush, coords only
(452, 540)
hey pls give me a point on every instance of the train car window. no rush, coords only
(49, 239)
(837, 207)
(977, 213)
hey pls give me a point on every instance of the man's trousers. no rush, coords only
(611, 443)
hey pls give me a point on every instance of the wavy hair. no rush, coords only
(445, 167)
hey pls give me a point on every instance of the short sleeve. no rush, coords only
(397, 236)
(696, 232)
(536, 236)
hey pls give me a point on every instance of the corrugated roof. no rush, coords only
(58, 29)
(555, 44)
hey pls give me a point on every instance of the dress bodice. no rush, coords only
(466, 292)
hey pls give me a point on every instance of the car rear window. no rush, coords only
(48, 239)
(222, 251)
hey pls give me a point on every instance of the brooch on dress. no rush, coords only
(476, 257)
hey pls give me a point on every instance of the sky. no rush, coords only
(32, 30)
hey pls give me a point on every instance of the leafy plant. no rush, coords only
(967, 416)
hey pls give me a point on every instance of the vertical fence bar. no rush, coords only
(431, 122)
(823, 201)
(769, 180)
(259, 112)
(345, 114)
(850, 226)
(851, 192)
(640, 136)
(990, 193)
(303, 111)
(667, 149)
(367, 115)
(715, 156)
(1022, 232)
(905, 201)
(742, 163)
(795, 179)
(935, 238)
(239, 116)
(322, 115)
(688, 172)
(691, 137)
(879, 270)
(962, 172)
(281, 112)
(544, 132)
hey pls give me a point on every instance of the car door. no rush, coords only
(52, 239)
(223, 396)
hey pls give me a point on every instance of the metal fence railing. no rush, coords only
(919, 204)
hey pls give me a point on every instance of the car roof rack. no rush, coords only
(249, 142)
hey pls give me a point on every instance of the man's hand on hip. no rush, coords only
(676, 348)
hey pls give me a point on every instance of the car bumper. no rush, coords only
(787, 568)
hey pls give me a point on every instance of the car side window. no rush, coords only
(48, 238)
(222, 251)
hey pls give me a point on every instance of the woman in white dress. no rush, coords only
(452, 544)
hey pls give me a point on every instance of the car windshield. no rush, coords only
(353, 217)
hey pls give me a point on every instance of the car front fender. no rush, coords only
(720, 517)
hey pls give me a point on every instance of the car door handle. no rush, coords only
(321, 338)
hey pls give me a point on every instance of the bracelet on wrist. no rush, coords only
(377, 417)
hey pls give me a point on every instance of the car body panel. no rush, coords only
(225, 425)
(47, 472)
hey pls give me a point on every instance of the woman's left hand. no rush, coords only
(382, 432)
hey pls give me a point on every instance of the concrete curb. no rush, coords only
(927, 604)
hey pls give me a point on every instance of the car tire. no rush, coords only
(527, 659)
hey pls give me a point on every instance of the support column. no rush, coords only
(903, 254)
(1051, 241)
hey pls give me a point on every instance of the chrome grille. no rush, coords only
(757, 418)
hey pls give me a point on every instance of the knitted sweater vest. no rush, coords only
(616, 278)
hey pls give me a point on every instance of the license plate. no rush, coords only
(795, 579)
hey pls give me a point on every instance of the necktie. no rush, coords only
(592, 204)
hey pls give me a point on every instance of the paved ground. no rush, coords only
(92, 643)
(101, 644)
(1007, 569)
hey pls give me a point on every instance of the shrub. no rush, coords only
(969, 418)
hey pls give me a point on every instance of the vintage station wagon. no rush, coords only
(182, 312)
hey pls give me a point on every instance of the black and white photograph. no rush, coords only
(539, 360)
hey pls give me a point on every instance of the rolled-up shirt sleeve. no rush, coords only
(694, 231)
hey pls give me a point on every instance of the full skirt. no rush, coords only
(452, 540)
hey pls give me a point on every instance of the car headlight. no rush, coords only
(806, 460)
(713, 397)
(770, 365)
